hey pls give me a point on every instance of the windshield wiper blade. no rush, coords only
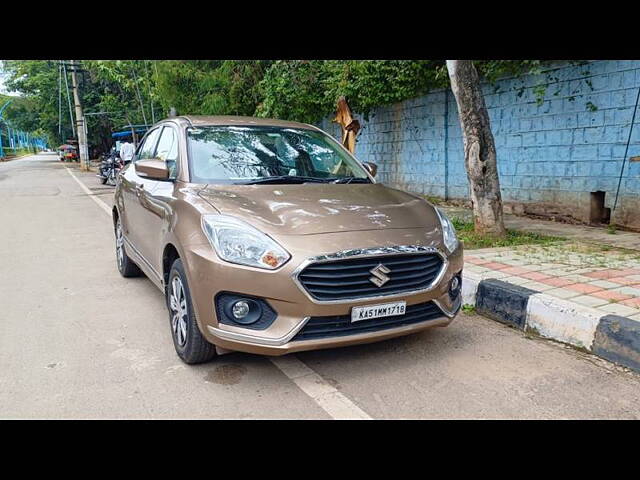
(350, 180)
(283, 179)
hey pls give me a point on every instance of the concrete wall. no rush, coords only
(551, 153)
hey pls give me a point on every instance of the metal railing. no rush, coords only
(13, 140)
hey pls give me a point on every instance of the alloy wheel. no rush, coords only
(119, 245)
(179, 312)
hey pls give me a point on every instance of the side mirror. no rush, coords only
(372, 168)
(154, 169)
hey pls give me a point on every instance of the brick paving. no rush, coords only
(597, 276)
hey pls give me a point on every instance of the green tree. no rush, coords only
(139, 91)
(307, 90)
(37, 108)
(210, 87)
(122, 90)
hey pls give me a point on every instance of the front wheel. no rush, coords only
(188, 341)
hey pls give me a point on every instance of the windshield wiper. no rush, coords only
(283, 179)
(350, 180)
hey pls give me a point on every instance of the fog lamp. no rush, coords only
(455, 286)
(240, 309)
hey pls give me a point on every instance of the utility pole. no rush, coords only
(60, 101)
(80, 120)
(66, 84)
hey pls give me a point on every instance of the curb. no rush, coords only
(10, 159)
(611, 337)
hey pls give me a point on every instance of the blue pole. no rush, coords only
(5, 106)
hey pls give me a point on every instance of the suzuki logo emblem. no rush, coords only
(379, 278)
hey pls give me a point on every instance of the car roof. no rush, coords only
(207, 120)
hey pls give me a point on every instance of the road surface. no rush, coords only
(79, 341)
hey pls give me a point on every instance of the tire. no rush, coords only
(188, 341)
(103, 180)
(126, 267)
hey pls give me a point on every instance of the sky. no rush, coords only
(3, 89)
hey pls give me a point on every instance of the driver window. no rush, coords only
(146, 149)
(167, 150)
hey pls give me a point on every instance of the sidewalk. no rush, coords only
(570, 231)
(584, 291)
(607, 280)
(10, 159)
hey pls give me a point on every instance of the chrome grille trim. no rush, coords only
(366, 253)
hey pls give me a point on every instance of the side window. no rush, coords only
(148, 146)
(168, 150)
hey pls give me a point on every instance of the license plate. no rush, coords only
(378, 311)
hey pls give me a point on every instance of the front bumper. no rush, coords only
(208, 276)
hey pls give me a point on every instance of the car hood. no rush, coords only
(310, 208)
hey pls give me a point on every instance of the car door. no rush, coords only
(158, 202)
(135, 189)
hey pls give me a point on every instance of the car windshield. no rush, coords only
(252, 155)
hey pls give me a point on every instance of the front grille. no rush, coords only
(340, 325)
(345, 279)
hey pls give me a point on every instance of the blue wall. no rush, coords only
(551, 153)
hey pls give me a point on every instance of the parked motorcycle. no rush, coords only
(109, 168)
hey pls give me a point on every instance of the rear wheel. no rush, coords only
(126, 267)
(189, 343)
(111, 177)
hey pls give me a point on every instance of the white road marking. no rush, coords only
(86, 190)
(327, 397)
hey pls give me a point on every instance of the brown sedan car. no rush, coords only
(269, 237)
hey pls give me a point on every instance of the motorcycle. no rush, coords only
(109, 168)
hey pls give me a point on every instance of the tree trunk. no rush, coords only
(479, 148)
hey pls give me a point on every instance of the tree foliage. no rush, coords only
(37, 109)
(136, 92)
(210, 87)
(307, 90)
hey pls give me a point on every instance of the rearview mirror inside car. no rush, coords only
(372, 168)
(153, 169)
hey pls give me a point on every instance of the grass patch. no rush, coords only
(433, 200)
(473, 240)
(469, 309)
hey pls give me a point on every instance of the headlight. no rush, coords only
(448, 231)
(238, 242)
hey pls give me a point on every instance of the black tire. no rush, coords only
(126, 266)
(190, 345)
(103, 180)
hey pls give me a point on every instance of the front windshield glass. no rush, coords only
(256, 154)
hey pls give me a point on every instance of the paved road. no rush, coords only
(79, 341)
